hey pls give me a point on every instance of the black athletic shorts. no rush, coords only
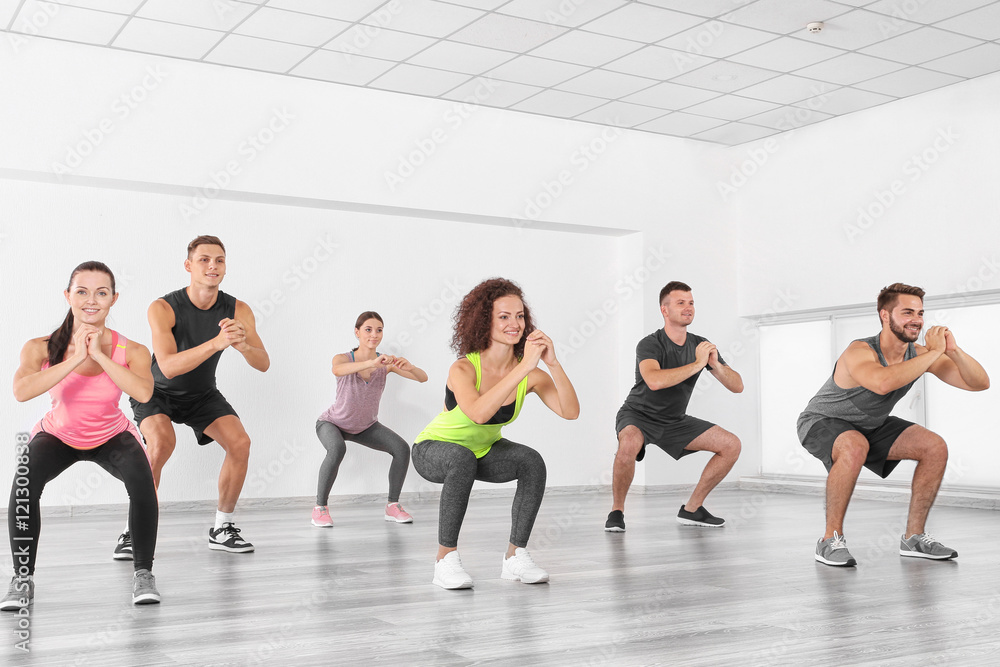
(198, 412)
(819, 442)
(671, 438)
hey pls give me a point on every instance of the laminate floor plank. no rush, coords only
(660, 594)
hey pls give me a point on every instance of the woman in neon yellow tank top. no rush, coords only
(485, 390)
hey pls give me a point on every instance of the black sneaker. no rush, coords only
(615, 522)
(123, 551)
(228, 539)
(700, 517)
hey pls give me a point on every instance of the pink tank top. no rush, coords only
(356, 405)
(85, 412)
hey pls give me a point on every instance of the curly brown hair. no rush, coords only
(474, 316)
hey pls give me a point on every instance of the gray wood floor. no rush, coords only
(361, 593)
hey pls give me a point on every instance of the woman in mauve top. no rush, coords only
(486, 387)
(353, 416)
(85, 367)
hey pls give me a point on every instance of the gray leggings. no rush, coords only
(376, 437)
(457, 468)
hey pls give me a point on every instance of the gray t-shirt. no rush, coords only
(860, 407)
(664, 405)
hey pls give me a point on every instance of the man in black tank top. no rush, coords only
(847, 424)
(191, 328)
(667, 365)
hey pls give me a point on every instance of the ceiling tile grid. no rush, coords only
(713, 70)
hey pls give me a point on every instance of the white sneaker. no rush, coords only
(520, 567)
(448, 573)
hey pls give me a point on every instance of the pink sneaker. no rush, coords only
(321, 517)
(395, 512)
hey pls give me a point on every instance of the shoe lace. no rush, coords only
(927, 539)
(230, 529)
(525, 559)
(323, 511)
(839, 542)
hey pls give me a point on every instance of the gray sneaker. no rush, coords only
(834, 552)
(20, 594)
(144, 588)
(925, 546)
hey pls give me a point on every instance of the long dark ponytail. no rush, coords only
(364, 317)
(59, 340)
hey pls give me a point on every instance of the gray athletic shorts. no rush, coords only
(671, 438)
(819, 442)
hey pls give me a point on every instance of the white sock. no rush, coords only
(126, 526)
(222, 518)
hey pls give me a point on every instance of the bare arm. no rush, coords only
(404, 368)
(556, 391)
(171, 362)
(31, 381)
(958, 368)
(661, 378)
(250, 346)
(481, 407)
(859, 365)
(137, 379)
(729, 378)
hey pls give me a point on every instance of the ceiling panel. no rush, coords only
(559, 103)
(168, 39)
(568, 13)
(256, 53)
(724, 71)
(342, 68)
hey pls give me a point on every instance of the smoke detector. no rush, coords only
(815, 26)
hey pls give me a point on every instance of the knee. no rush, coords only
(160, 446)
(533, 463)
(629, 443)
(731, 447)
(936, 450)
(238, 447)
(851, 450)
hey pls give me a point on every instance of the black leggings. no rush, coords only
(46, 457)
(457, 468)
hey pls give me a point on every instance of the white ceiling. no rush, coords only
(723, 71)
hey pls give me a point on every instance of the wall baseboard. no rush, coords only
(896, 492)
(306, 502)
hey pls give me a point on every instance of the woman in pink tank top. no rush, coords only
(85, 367)
(361, 377)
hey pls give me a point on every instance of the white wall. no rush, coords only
(830, 213)
(618, 215)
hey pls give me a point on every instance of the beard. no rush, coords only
(901, 333)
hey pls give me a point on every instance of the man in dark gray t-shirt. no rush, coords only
(847, 424)
(667, 365)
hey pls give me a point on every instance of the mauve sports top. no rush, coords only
(356, 405)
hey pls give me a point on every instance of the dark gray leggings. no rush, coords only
(376, 437)
(457, 468)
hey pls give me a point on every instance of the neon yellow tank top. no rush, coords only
(455, 427)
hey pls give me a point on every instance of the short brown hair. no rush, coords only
(204, 239)
(889, 295)
(474, 316)
(671, 286)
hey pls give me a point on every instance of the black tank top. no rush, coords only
(192, 327)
